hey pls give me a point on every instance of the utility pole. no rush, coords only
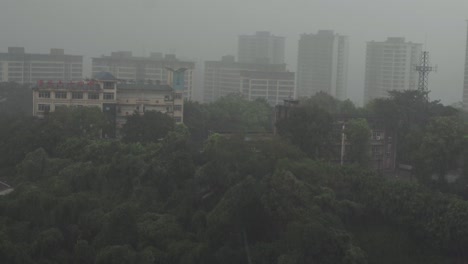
(342, 143)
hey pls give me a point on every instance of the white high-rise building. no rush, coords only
(21, 67)
(263, 47)
(322, 64)
(253, 80)
(465, 83)
(390, 65)
(124, 66)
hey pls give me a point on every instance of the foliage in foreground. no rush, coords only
(236, 202)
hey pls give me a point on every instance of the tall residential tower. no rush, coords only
(263, 47)
(322, 64)
(390, 65)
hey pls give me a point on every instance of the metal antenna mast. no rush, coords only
(424, 68)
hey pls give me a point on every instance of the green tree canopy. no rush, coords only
(149, 127)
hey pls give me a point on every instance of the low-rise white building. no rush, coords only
(118, 98)
(99, 92)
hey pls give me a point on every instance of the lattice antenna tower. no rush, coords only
(424, 68)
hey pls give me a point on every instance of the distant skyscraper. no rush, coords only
(390, 66)
(124, 66)
(465, 83)
(269, 81)
(263, 47)
(21, 67)
(322, 64)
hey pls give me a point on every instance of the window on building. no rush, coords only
(108, 85)
(61, 95)
(377, 135)
(108, 96)
(177, 119)
(177, 96)
(44, 94)
(167, 98)
(177, 108)
(93, 96)
(77, 95)
(43, 107)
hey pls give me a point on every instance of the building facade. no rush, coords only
(141, 97)
(120, 99)
(18, 66)
(224, 77)
(263, 47)
(48, 96)
(124, 66)
(275, 87)
(322, 64)
(465, 83)
(390, 66)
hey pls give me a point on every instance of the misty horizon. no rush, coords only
(208, 29)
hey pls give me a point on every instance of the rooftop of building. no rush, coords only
(261, 34)
(144, 86)
(104, 76)
(77, 86)
(154, 57)
(15, 53)
(395, 40)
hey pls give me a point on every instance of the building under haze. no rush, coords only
(275, 87)
(465, 83)
(226, 77)
(390, 65)
(119, 99)
(21, 67)
(154, 68)
(100, 92)
(322, 64)
(263, 47)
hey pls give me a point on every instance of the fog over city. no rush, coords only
(208, 29)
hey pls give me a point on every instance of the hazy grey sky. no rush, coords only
(207, 29)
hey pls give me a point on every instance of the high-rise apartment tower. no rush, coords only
(322, 64)
(390, 65)
(263, 47)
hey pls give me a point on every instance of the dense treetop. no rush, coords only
(185, 194)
